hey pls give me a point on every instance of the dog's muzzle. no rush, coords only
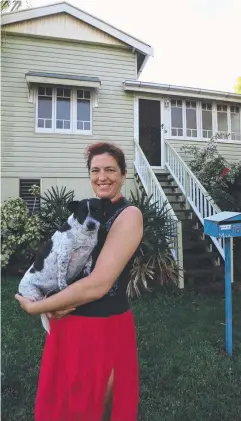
(91, 226)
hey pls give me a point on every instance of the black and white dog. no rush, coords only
(61, 259)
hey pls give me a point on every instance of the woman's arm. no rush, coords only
(122, 241)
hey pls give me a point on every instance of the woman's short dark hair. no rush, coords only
(104, 147)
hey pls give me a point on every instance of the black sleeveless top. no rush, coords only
(116, 300)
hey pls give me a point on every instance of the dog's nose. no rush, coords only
(91, 226)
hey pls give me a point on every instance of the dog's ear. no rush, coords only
(72, 206)
(95, 203)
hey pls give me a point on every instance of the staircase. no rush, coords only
(201, 259)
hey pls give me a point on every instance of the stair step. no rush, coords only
(162, 174)
(195, 245)
(177, 205)
(203, 260)
(164, 177)
(172, 186)
(183, 214)
(213, 270)
(173, 194)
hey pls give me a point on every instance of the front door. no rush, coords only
(150, 130)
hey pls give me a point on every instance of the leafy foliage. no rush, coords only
(153, 264)
(53, 210)
(20, 235)
(238, 86)
(221, 179)
(13, 5)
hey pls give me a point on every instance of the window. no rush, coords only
(61, 109)
(207, 120)
(45, 96)
(191, 119)
(176, 116)
(222, 119)
(235, 123)
(33, 204)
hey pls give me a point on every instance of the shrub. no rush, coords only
(20, 235)
(221, 179)
(152, 264)
(53, 209)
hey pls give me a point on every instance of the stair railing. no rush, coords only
(195, 194)
(152, 187)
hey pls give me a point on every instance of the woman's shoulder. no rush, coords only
(122, 210)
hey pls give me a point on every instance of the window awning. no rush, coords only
(62, 79)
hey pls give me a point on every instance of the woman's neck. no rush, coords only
(116, 198)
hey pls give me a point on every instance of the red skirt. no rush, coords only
(79, 356)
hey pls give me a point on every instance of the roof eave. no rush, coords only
(162, 89)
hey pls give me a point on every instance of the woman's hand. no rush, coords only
(30, 307)
(27, 304)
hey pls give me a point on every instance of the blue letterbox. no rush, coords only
(223, 224)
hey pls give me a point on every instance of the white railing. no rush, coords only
(195, 194)
(152, 187)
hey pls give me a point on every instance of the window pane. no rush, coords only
(80, 125)
(48, 124)
(44, 107)
(83, 110)
(67, 125)
(235, 122)
(41, 122)
(191, 119)
(80, 93)
(222, 121)
(87, 94)
(49, 91)
(59, 124)
(207, 120)
(176, 117)
(41, 90)
(86, 125)
(63, 113)
(60, 91)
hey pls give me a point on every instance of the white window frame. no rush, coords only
(73, 111)
(199, 120)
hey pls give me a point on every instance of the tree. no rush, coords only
(238, 86)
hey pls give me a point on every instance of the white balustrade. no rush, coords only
(195, 194)
(152, 187)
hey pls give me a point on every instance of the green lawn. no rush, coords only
(185, 374)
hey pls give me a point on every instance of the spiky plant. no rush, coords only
(152, 264)
(53, 209)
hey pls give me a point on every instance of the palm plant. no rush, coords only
(53, 210)
(152, 264)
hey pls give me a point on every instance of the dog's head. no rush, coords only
(88, 212)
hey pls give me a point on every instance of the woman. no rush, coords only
(89, 369)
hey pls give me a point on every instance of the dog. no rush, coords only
(68, 253)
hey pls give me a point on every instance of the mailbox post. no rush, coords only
(225, 225)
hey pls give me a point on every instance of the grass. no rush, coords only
(185, 373)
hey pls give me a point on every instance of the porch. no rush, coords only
(182, 118)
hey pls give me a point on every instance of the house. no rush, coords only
(63, 72)
(70, 79)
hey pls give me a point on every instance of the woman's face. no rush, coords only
(105, 176)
